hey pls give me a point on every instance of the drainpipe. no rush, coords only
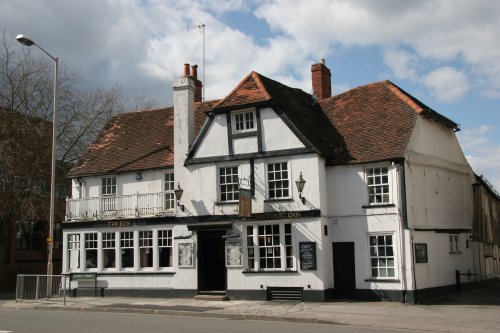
(403, 224)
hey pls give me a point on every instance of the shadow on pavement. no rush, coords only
(489, 295)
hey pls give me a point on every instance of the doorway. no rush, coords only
(211, 265)
(344, 282)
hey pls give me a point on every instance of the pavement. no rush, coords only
(475, 311)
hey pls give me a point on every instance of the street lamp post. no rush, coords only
(50, 240)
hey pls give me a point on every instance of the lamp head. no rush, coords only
(24, 40)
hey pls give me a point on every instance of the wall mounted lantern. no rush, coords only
(178, 195)
(138, 176)
(300, 187)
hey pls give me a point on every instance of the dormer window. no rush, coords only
(243, 121)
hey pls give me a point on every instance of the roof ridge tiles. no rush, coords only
(404, 97)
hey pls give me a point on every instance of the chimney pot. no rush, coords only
(195, 71)
(322, 61)
(186, 70)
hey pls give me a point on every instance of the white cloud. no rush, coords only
(402, 64)
(482, 154)
(443, 30)
(447, 84)
(143, 44)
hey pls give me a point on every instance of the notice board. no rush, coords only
(307, 256)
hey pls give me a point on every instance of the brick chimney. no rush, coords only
(321, 80)
(197, 83)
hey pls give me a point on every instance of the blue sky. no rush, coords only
(445, 53)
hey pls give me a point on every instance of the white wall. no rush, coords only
(441, 266)
(201, 192)
(305, 230)
(276, 135)
(438, 179)
(348, 192)
(126, 183)
(215, 142)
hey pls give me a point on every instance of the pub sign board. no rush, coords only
(307, 256)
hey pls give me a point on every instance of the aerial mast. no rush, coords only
(201, 28)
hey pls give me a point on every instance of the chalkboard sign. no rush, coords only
(307, 256)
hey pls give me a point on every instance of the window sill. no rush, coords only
(226, 203)
(244, 133)
(269, 272)
(459, 252)
(383, 280)
(280, 200)
(379, 206)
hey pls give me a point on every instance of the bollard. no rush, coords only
(457, 279)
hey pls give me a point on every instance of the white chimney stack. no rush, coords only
(184, 90)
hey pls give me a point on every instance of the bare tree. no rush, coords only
(26, 98)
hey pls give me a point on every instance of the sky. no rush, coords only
(445, 53)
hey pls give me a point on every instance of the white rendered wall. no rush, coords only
(276, 135)
(305, 230)
(215, 142)
(201, 192)
(348, 191)
(438, 179)
(126, 183)
(441, 266)
(350, 220)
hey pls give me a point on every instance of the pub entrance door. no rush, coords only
(211, 265)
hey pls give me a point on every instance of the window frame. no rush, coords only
(160, 244)
(288, 180)
(287, 258)
(169, 191)
(219, 184)
(109, 199)
(245, 122)
(91, 243)
(381, 185)
(377, 257)
(131, 245)
(108, 244)
(74, 244)
(146, 241)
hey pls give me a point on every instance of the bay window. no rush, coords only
(269, 247)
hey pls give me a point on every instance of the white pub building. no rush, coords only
(273, 193)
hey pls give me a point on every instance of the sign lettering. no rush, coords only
(119, 224)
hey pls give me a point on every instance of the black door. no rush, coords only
(211, 266)
(344, 270)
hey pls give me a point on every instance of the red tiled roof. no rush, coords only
(366, 124)
(249, 91)
(135, 141)
(376, 122)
